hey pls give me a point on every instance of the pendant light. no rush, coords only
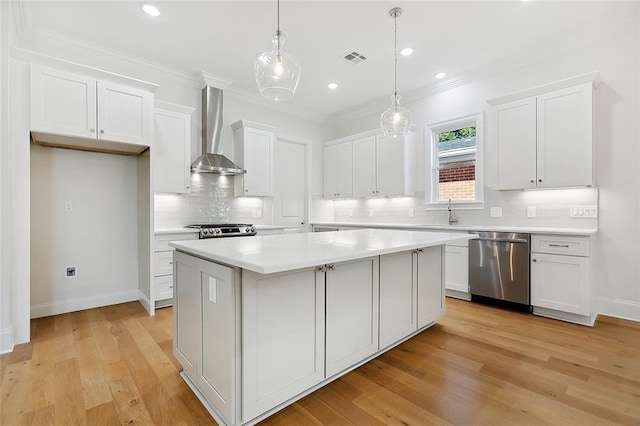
(396, 120)
(277, 73)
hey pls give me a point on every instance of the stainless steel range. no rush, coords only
(219, 230)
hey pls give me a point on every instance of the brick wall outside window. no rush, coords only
(457, 174)
(457, 183)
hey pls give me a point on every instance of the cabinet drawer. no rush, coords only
(161, 242)
(163, 263)
(559, 244)
(164, 287)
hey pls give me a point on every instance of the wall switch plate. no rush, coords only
(370, 212)
(411, 213)
(587, 212)
(259, 213)
(253, 214)
(68, 206)
(71, 272)
(531, 211)
(496, 211)
(213, 290)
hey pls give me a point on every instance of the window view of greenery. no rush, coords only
(456, 168)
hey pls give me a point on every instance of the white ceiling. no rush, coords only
(223, 37)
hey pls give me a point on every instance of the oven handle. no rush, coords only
(503, 240)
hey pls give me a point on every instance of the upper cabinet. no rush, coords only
(65, 106)
(369, 165)
(545, 141)
(338, 170)
(253, 151)
(172, 148)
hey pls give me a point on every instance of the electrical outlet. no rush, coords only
(259, 213)
(531, 211)
(370, 212)
(71, 272)
(68, 206)
(339, 212)
(350, 212)
(588, 212)
(253, 214)
(496, 211)
(411, 213)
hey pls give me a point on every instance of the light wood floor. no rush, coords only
(478, 365)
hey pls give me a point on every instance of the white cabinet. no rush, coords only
(545, 141)
(561, 274)
(207, 333)
(172, 148)
(283, 337)
(337, 170)
(352, 291)
(379, 166)
(457, 269)
(253, 151)
(72, 105)
(411, 292)
(163, 266)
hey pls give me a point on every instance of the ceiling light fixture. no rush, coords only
(441, 75)
(406, 51)
(151, 10)
(332, 86)
(396, 120)
(277, 73)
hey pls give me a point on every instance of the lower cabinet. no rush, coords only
(283, 337)
(457, 268)
(352, 292)
(163, 266)
(411, 292)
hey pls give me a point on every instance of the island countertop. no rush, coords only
(286, 252)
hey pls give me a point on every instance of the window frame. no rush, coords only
(431, 132)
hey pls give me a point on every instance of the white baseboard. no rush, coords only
(55, 308)
(617, 308)
(146, 303)
(6, 340)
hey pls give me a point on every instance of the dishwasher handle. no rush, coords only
(503, 240)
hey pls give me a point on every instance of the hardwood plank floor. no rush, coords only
(479, 365)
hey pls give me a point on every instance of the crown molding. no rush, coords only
(214, 80)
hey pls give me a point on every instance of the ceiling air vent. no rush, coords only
(354, 57)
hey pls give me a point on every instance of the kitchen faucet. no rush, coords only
(452, 216)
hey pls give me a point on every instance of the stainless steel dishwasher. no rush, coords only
(499, 267)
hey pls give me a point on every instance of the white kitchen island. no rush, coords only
(260, 322)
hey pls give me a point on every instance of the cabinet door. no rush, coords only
(364, 167)
(218, 373)
(283, 337)
(338, 171)
(560, 282)
(171, 152)
(430, 285)
(186, 313)
(163, 262)
(457, 268)
(164, 287)
(398, 302)
(258, 162)
(565, 143)
(394, 167)
(125, 114)
(352, 313)
(515, 136)
(62, 103)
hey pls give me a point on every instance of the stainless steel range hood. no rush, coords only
(212, 160)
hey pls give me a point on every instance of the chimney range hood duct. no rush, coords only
(211, 160)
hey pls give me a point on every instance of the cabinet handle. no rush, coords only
(332, 267)
(92, 130)
(373, 192)
(171, 286)
(539, 180)
(532, 181)
(417, 251)
(559, 245)
(377, 192)
(171, 263)
(101, 132)
(534, 260)
(246, 190)
(322, 268)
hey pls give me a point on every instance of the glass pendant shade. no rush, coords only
(277, 73)
(396, 121)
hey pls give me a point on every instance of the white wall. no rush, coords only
(99, 235)
(617, 113)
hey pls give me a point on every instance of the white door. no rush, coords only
(390, 166)
(171, 152)
(258, 158)
(338, 171)
(430, 285)
(125, 114)
(560, 283)
(457, 268)
(398, 301)
(290, 194)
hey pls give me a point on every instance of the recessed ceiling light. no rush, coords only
(151, 10)
(332, 86)
(441, 75)
(406, 51)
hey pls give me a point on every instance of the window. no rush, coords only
(454, 162)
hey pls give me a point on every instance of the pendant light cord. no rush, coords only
(278, 21)
(395, 56)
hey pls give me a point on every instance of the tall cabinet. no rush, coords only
(253, 151)
(545, 140)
